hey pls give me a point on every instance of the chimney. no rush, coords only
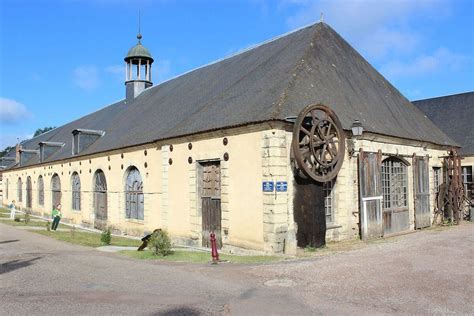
(17, 153)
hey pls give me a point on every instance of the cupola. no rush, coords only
(138, 70)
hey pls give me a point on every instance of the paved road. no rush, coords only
(425, 272)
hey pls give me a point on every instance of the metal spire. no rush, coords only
(139, 35)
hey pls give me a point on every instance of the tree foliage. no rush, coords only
(40, 131)
(6, 150)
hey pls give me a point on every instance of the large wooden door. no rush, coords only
(211, 202)
(100, 200)
(370, 189)
(422, 192)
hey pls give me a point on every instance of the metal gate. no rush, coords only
(100, 200)
(422, 191)
(28, 192)
(55, 190)
(211, 202)
(370, 189)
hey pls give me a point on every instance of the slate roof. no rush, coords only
(271, 81)
(454, 114)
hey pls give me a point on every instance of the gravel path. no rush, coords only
(423, 273)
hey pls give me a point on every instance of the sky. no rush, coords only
(62, 59)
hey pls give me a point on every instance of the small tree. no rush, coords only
(27, 217)
(160, 243)
(106, 237)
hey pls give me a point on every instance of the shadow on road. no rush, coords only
(16, 264)
(8, 241)
(179, 311)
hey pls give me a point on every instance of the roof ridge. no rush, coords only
(240, 52)
(444, 96)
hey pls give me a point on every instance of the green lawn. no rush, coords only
(199, 257)
(87, 239)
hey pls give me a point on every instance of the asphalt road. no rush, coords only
(426, 272)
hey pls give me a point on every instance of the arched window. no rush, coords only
(76, 191)
(40, 190)
(6, 189)
(134, 194)
(55, 190)
(394, 184)
(20, 197)
(100, 198)
(28, 192)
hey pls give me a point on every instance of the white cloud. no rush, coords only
(8, 139)
(440, 60)
(12, 112)
(377, 28)
(86, 77)
(115, 69)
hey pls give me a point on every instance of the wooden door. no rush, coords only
(422, 191)
(211, 202)
(370, 189)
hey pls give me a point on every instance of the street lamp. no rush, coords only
(357, 128)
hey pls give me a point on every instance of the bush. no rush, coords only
(27, 217)
(48, 226)
(17, 219)
(106, 237)
(160, 243)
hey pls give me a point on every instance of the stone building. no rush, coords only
(454, 114)
(225, 148)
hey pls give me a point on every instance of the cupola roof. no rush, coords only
(138, 51)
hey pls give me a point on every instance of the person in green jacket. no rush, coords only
(56, 215)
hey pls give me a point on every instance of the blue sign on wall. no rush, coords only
(281, 186)
(268, 186)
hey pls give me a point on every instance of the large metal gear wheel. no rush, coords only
(318, 143)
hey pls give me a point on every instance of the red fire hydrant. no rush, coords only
(215, 254)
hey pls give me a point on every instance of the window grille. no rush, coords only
(56, 190)
(20, 198)
(76, 192)
(40, 190)
(329, 201)
(394, 184)
(134, 195)
(28, 192)
(466, 174)
(437, 178)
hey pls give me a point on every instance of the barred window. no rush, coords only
(76, 191)
(28, 192)
(329, 201)
(466, 175)
(394, 184)
(20, 197)
(437, 178)
(40, 190)
(134, 194)
(55, 190)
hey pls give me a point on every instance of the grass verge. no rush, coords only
(87, 239)
(198, 257)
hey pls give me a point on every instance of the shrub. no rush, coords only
(160, 243)
(48, 226)
(106, 237)
(27, 217)
(17, 219)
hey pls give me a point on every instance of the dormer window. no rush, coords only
(27, 154)
(83, 138)
(48, 148)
